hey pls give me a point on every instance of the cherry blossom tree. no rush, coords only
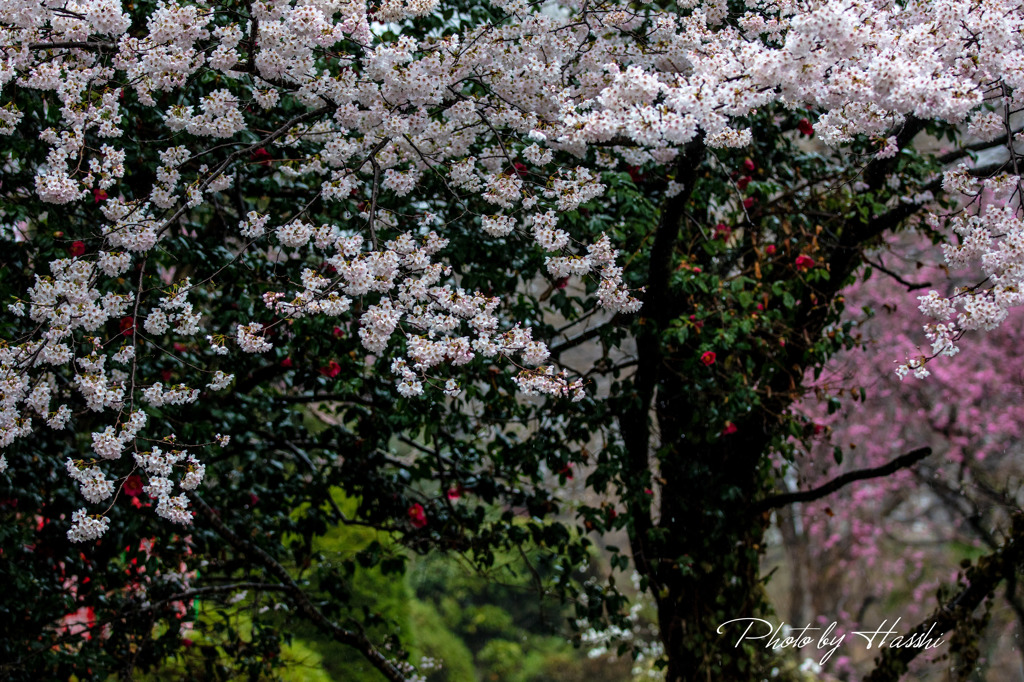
(905, 533)
(488, 245)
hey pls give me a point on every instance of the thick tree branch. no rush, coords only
(634, 417)
(960, 152)
(337, 398)
(776, 501)
(74, 45)
(982, 578)
(846, 256)
(587, 335)
(215, 589)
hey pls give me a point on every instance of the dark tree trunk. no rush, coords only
(699, 549)
(710, 543)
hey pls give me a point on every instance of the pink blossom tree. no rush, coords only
(854, 549)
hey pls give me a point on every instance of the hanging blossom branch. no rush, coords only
(990, 228)
(511, 113)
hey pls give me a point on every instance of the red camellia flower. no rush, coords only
(417, 517)
(708, 357)
(743, 182)
(805, 127)
(132, 486)
(337, 333)
(566, 471)
(99, 195)
(770, 249)
(749, 165)
(748, 202)
(521, 169)
(127, 325)
(723, 232)
(331, 369)
(261, 156)
(456, 492)
(804, 263)
(76, 249)
(287, 363)
(729, 429)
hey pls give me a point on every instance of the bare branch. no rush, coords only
(215, 589)
(373, 200)
(902, 462)
(909, 285)
(280, 132)
(587, 335)
(962, 151)
(73, 45)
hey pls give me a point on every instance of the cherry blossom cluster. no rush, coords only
(990, 230)
(515, 118)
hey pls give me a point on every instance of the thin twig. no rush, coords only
(909, 285)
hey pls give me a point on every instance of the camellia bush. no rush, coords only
(276, 267)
